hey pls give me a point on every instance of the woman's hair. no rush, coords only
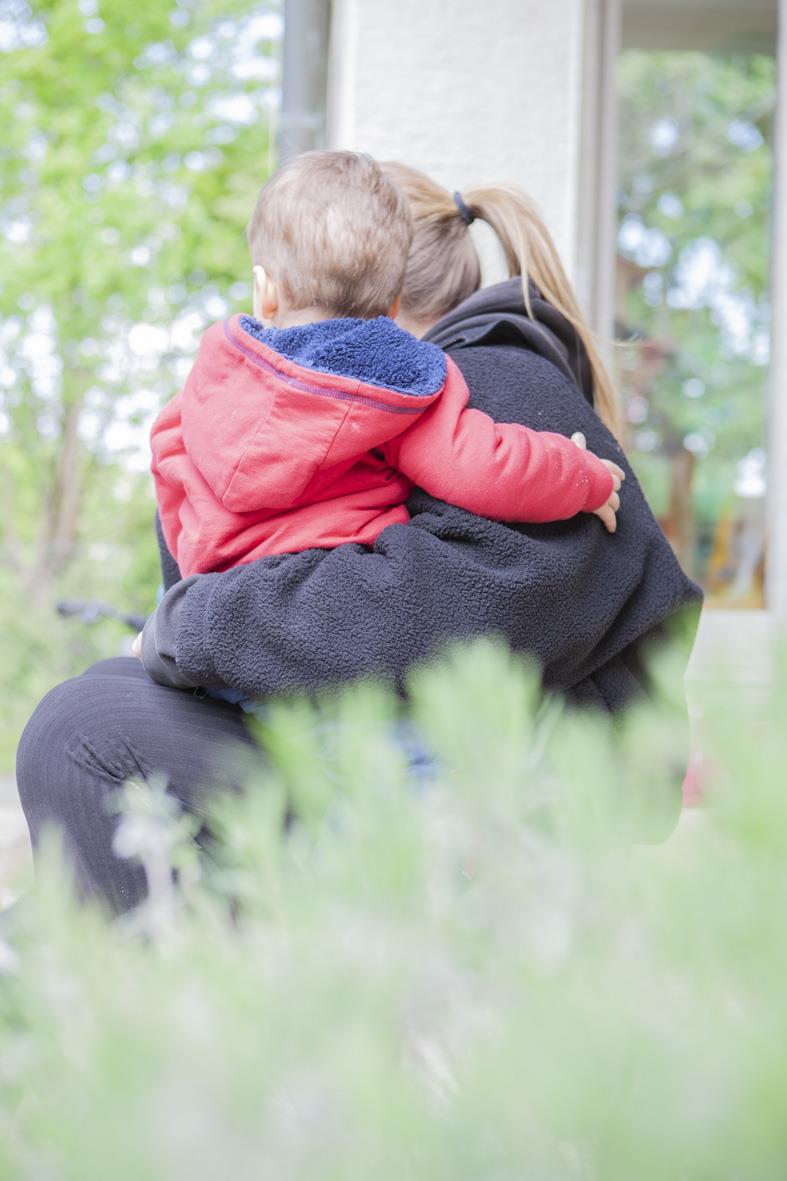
(443, 267)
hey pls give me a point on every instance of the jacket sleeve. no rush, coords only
(503, 471)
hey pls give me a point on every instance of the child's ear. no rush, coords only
(265, 297)
(395, 308)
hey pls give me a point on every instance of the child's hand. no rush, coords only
(608, 511)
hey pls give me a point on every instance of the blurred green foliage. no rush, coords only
(135, 140)
(475, 977)
(694, 210)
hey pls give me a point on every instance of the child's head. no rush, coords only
(329, 235)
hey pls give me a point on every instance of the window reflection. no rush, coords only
(695, 183)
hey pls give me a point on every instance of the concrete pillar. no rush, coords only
(470, 92)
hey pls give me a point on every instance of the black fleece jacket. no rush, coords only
(584, 603)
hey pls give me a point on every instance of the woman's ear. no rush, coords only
(265, 297)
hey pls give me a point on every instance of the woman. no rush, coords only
(584, 603)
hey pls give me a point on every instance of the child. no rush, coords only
(314, 430)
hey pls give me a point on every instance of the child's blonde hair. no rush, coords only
(443, 268)
(334, 231)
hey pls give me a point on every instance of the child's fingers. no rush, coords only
(579, 440)
(607, 515)
(616, 471)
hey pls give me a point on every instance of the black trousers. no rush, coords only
(91, 734)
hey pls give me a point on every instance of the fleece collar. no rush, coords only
(376, 352)
(497, 315)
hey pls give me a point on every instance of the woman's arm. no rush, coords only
(569, 594)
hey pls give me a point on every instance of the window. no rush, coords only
(696, 99)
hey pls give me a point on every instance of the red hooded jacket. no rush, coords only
(285, 439)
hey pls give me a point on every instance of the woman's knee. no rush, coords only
(92, 734)
(45, 722)
(66, 776)
(66, 746)
(44, 744)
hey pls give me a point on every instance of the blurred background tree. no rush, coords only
(135, 140)
(695, 184)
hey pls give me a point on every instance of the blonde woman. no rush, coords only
(585, 604)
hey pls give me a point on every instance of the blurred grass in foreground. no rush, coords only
(480, 977)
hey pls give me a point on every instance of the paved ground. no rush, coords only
(15, 862)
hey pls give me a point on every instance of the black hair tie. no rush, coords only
(467, 217)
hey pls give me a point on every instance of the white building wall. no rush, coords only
(470, 91)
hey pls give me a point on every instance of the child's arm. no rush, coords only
(501, 471)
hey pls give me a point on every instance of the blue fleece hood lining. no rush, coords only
(376, 352)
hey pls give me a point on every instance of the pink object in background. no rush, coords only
(697, 780)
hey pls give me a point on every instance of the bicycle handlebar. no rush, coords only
(91, 611)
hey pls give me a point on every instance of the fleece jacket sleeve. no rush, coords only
(503, 471)
(583, 603)
(159, 638)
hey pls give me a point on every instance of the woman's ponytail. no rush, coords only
(443, 267)
(531, 252)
